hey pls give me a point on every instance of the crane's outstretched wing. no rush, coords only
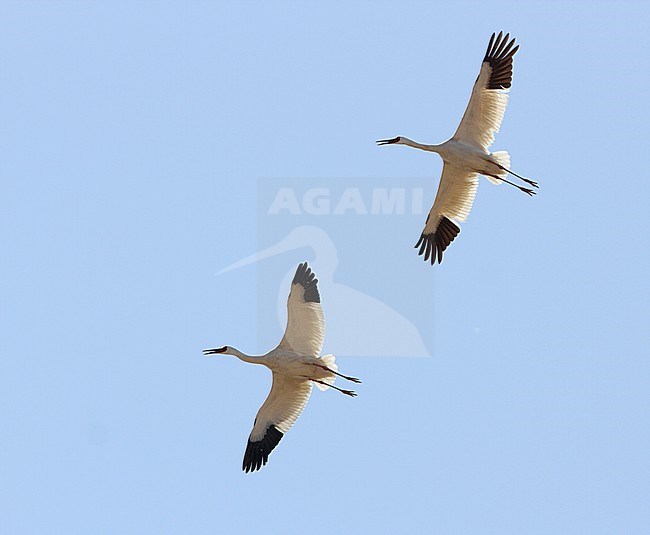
(487, 105)
(454, 200)
(305, 332)
(278, 413)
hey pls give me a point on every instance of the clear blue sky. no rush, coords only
(134, 138)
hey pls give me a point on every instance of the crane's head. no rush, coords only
(208, 352)
(397, 140)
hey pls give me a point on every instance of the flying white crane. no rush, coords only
(466, 155)
(360, 324)
(296, 364)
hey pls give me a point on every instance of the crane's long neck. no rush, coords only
(416, 145)
(243, 356)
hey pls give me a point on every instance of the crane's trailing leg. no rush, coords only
(351, 393)
(353, 379)
(527, 180)
(525, 190)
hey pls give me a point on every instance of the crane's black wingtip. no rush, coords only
(307, 279)
(498, 56)
(433, 244)
(257, 453)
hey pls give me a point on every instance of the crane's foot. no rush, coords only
(531, 182)
(350, 393)
(529, 191)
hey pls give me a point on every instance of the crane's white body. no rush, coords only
(466, 155)
(296, 364)
(462, 154)
(290, 363)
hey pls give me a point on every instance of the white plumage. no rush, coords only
(466, 154)
(283, 405)
(305, 332)
(296, 364)
(484, 114)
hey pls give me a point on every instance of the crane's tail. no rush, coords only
(502, 159)
(328, 360)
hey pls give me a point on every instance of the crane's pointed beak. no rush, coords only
(207, 352)
(388, 141)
